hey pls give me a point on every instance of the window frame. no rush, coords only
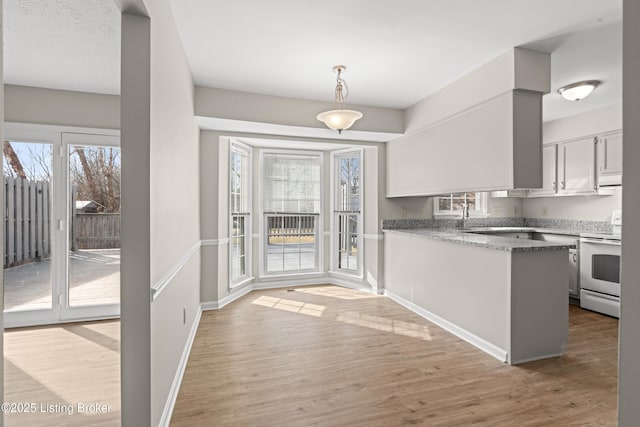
(481, 202)
(263, 238)
(243, 149)
(358, 272)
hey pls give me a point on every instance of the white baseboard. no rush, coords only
(278, 284)
(234, 296)
(533, 359)
(182, 365)
(210, 305)
(346, 283)
(487, 347)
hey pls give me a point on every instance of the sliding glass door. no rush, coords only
(93, 223)
(61, 226)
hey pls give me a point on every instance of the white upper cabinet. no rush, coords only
(610, 159)
(576, 167)
(568, 169)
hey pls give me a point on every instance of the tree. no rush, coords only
(95, 176)
(12, 158)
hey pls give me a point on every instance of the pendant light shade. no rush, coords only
(579, 90)
(340, 119)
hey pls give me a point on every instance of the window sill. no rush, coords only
(312, 274)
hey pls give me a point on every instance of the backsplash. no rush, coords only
(563, 224)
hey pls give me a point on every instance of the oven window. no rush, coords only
(606, 267)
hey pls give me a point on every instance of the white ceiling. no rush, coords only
(397, 52)
(62, 44)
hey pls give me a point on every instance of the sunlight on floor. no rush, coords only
(336, 292)
(399, 327)
(68, 365)
(290, 305)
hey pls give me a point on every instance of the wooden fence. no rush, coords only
(27, 225)
(95, 231)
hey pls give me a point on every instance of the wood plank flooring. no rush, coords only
(65, 365)
(328, 356)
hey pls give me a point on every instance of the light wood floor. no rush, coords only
(66, 365)
(329, 356)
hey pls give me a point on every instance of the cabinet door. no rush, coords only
(610, 159)
(549, 177)
(576, 167)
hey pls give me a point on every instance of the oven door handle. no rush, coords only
(599, 241)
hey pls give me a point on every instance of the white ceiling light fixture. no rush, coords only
(579, 90)
(340, 119)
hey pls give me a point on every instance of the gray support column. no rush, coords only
(135, 262)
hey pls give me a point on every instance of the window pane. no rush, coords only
(444, 203)
(239, 197)
(348, 182)
(239, 180)
(291, 243)
(291, 183)
(28, 190)
(455, 202)
(348, 193)
(238, 247)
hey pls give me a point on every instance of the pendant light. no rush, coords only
(579, 90)
(340, 119)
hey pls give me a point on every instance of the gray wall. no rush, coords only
(629, 352)
(251, 107)
(174, 202)
(24, 104)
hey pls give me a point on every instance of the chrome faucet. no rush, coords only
(465, 210)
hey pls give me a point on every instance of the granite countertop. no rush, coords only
(561, 231)
(467, 237)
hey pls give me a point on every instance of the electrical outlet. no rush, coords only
(515, 211)
(545, 211)
(403, 212)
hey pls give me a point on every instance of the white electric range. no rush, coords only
(600, 269)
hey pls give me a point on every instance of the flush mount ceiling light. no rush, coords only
(340, 119)
(579, 90)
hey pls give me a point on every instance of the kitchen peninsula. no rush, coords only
(504, 295)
